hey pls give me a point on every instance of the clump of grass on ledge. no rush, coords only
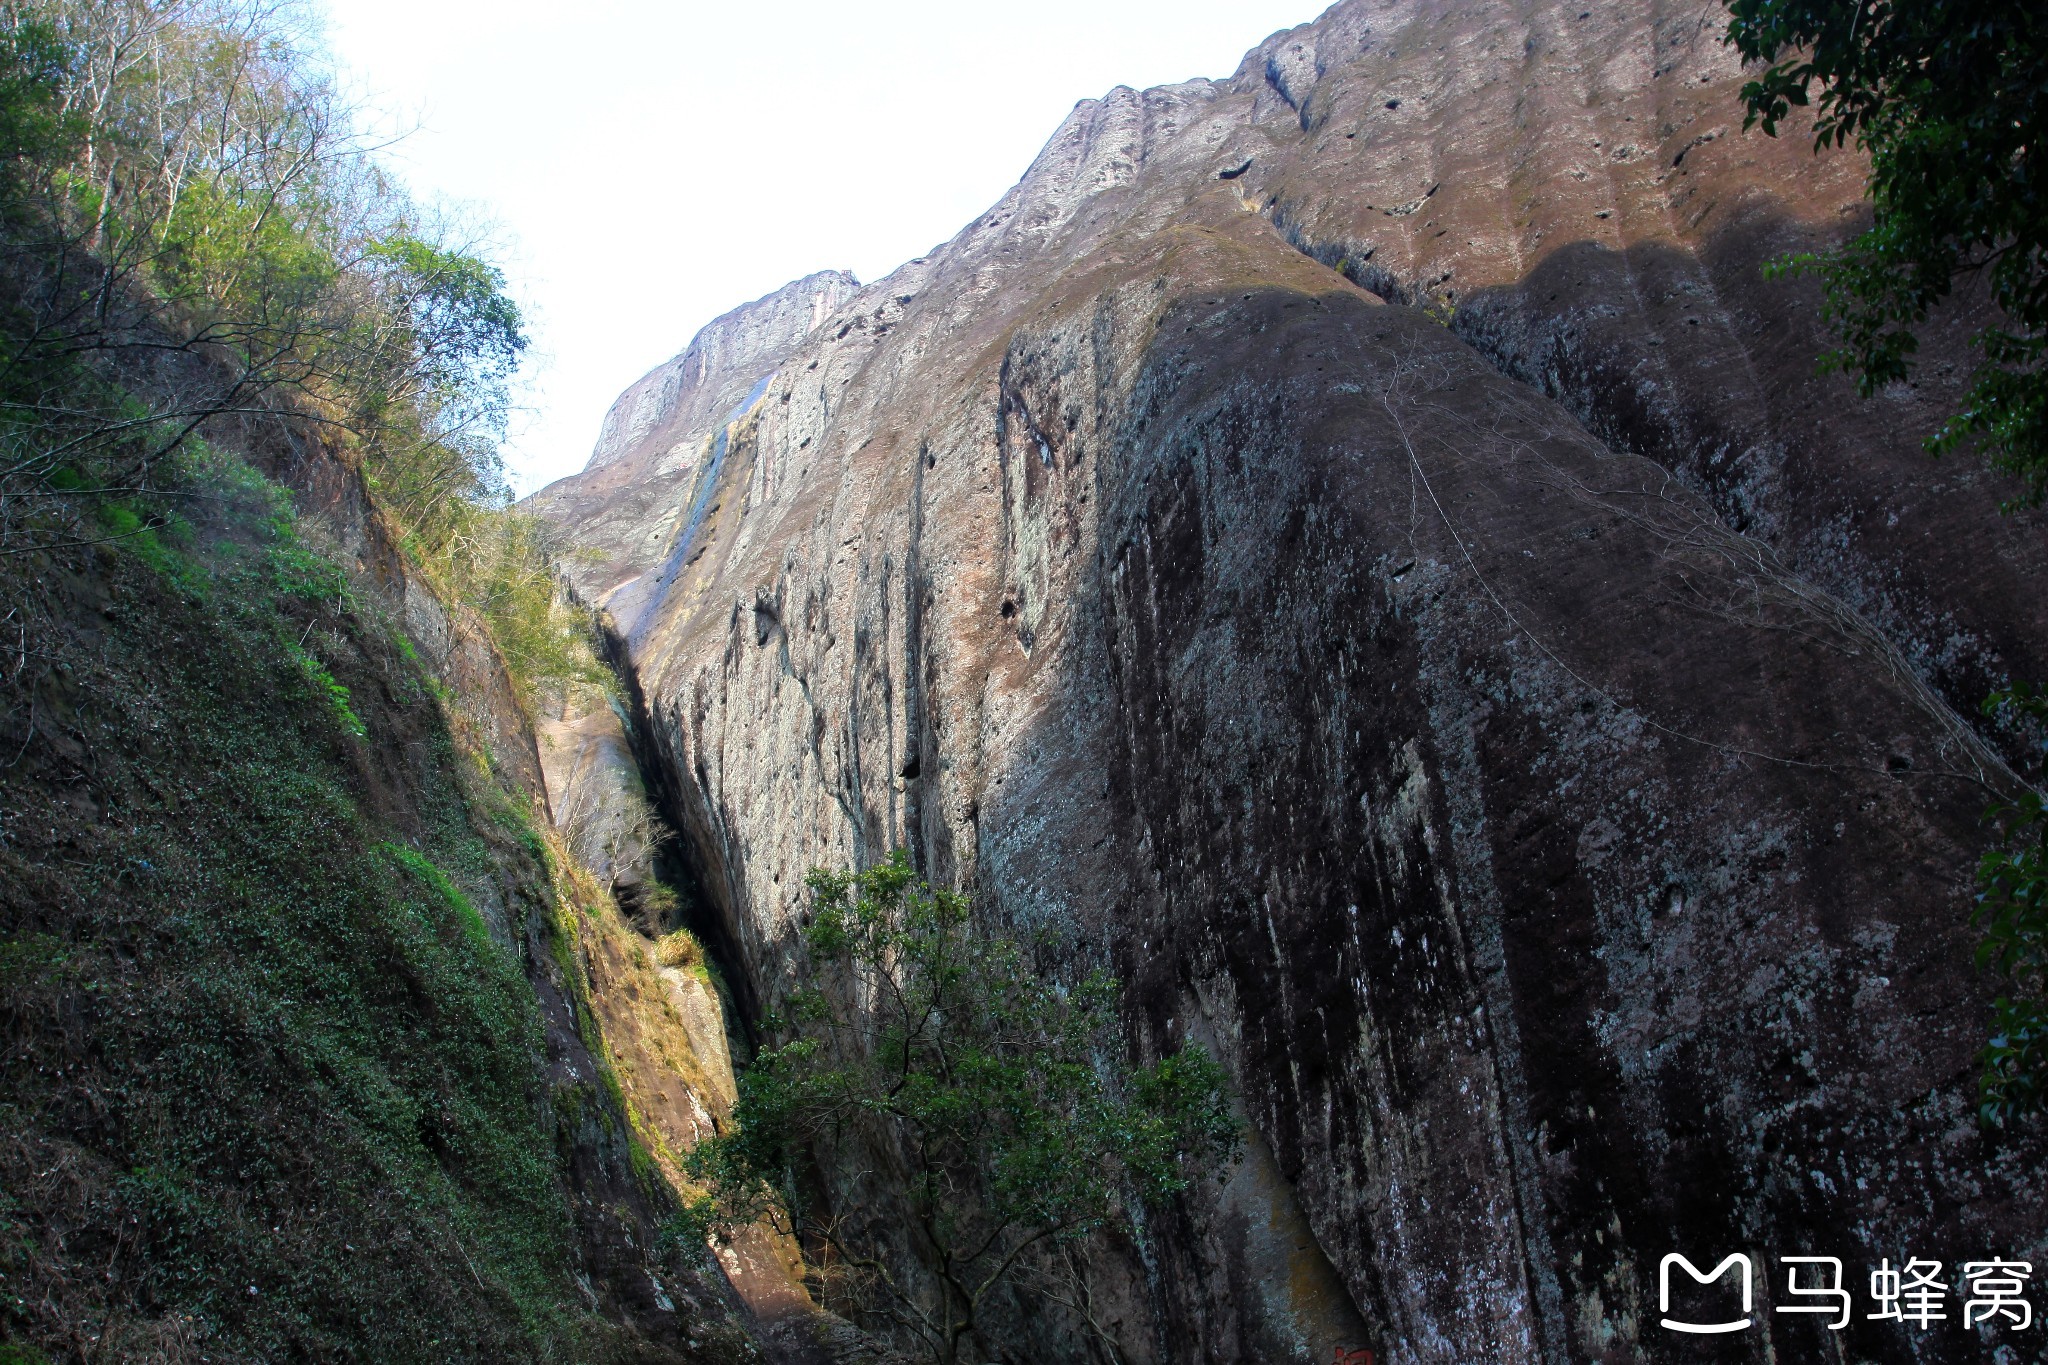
(679, 949)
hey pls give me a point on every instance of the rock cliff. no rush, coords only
(664, 431)
(1359, 549)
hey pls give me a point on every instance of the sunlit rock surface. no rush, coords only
(1359, 549)
(656, 440)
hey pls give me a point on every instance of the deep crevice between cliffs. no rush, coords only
(1349, 258)
(1550, 360)
(678, 862)
(1478, 323)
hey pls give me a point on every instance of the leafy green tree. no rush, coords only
(193, 232)
(1003, 1101)
(36, 136)
(465, 331)
(34, 127)
(1950, 100)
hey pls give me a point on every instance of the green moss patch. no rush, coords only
(273, 1089)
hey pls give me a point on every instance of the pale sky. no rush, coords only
(647, 166)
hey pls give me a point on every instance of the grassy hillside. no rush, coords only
(273, 1080)
(298, 1051)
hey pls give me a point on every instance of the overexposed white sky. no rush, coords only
(646, 166)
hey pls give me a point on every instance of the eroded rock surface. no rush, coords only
(1360, 549)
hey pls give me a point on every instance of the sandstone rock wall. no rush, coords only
(1520, 726)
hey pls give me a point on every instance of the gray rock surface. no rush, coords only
(1407, 605)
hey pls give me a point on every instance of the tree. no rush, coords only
(2012, 905)
(195, 239)
(167, 247)
(1003, 1100)
(1950, 100)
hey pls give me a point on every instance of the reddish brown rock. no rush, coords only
(1520, 727)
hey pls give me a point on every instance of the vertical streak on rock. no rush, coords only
(917, 743)
(1479, 920)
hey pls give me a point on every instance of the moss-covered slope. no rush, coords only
(289, 1067)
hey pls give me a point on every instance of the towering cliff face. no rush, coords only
(1359, 549)
(659, 436)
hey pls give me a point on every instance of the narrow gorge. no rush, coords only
(1361, 551)
(1334, 736)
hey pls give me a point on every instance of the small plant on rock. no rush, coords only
(2012, 906)
(679, 949)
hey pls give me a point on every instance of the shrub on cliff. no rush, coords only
(1950, 99)
(1003, 1098)
(2012, 905)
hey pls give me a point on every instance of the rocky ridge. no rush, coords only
(659, 434)
(1358, 549)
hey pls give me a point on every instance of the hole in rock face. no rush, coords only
(911, 768)
(1009, 610)
(1393, 104)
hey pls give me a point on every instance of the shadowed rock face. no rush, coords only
(1519, 727)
